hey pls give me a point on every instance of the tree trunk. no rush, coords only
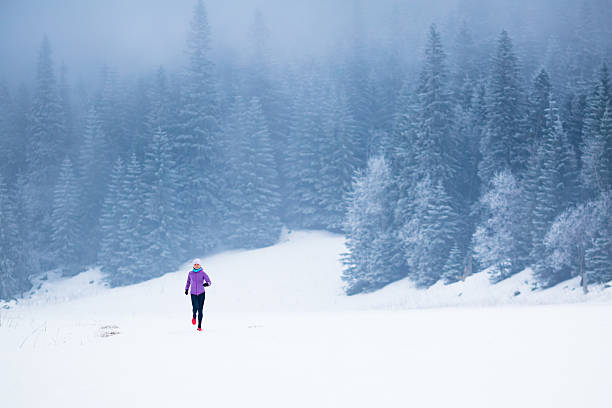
(467, 269)
(583, 276)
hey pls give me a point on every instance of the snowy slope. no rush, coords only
(279, 332)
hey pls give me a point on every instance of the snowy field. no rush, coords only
(278, 332)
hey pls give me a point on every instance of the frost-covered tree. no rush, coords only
(92, 174)
(538, 105)
(164, 234)
(428, 235)
(111, 110)
(65, 226)
(578, 242)
(502, 145)
(10, 143)
(597, 155)
(501, 241)
(113, 209)
(454, 268)
(434, 141)
(13, 271)
(555, 186)
(597, 136)
(374, 259)
(338, 160)
(252, 194)
(196, 143)
(135, 265)
(302, 167)
(46, 141)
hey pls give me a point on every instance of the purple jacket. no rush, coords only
(196, 279)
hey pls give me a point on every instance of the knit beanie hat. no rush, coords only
(197, 261)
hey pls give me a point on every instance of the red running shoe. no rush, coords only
(193, 321)
(199, 329)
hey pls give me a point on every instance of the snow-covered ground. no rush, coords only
(279, 332)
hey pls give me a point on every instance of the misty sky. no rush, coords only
(133, 36)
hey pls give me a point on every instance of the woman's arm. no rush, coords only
(188, 281)
(207, 279)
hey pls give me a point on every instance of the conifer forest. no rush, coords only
(441, 138)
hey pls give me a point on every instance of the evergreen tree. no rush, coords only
(374, 259)
(538, 105)
(597, 137)
(338, 160)
(10, 144)
(434, 141)
(196, 142)
(598, 258)
(501, 241)
(253, 196)
(134, 265)
(159, 112)
(164, 230)
(93, 166)
(302, 167)
(45, 141)
(13, 271)
(502, 146)
(66, 108)
(454, 268)
(577, 241)
(427, 236)
(112, 109)
(66, 233)
(356, 74)
(113, 209)
(555, 189)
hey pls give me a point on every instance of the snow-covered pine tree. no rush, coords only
(66, 232)
(338, 160)
(164, 237)
(264, 175)
(538, 104)
(302, 167)
(597, 137)
(428, 235)
(577, 231)
(46, 135)
(252, 194)
(10, 144)
(196, 143)
(135, 266)
(374, 259)
(502, 146)
(111, 111)
(598, 258)
(13, 271)
(159, 113)
(435, 141)
(426, 166)
(555, 187)
(113, 209)
(64, 92)
(356, 77)
(454, 268)
(93, 168)
(501, 241)
(573, 114)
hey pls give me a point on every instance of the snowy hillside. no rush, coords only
(278, 331)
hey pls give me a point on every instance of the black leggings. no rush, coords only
(197, 302)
